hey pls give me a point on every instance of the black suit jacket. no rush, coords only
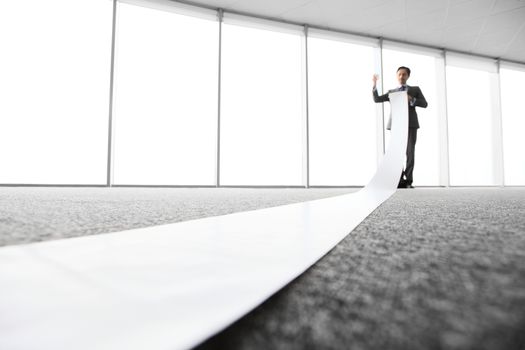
(413, 91)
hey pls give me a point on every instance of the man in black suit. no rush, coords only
(415, 99)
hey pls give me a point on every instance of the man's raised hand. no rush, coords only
(375, 78)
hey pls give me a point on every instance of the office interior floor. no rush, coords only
(431, 268)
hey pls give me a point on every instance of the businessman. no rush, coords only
(415, 99)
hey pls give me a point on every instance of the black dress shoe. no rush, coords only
(402, 184)
(410, 186)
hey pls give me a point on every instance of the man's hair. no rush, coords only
(405, 68)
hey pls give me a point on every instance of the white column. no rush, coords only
(220, 15)
(306, 124)
(110, 158)
(380, 109)
(497, 129)
(441, 89)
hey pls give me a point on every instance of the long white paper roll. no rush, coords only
(173, 286)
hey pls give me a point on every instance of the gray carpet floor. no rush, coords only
(429, 269)
(33, 214)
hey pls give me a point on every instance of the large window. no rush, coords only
(472, 110)
(423, 74)
(262, 105)
(165, 107)
(54, 87)
(170, 128)
(342, 118)
(512, 92)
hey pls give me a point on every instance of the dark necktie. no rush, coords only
(403, 88)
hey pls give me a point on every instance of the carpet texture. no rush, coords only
(33, 214)
(429, 269)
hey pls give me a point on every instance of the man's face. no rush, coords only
(402, 76)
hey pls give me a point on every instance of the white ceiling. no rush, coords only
(494, 28)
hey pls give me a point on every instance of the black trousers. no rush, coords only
(411, 152)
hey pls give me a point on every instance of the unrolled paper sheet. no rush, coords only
(173, 286)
